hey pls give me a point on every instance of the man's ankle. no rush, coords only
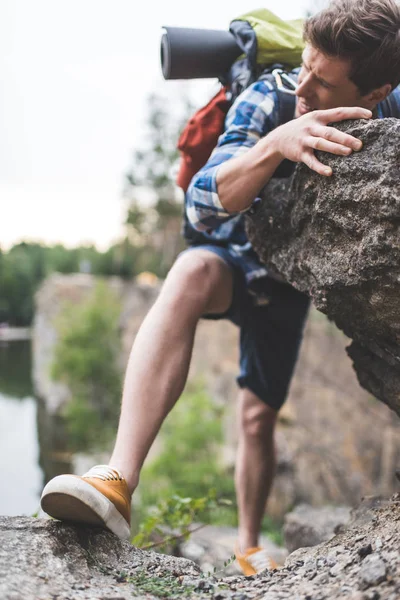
(131, 477)
(247, 541)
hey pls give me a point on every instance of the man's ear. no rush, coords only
(373, 98)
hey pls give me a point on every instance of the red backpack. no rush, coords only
(200, 136)
(201, 133)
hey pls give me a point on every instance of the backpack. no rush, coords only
(270, 46)
(201, 133)
(200, 137)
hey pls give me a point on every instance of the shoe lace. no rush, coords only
(104, 472)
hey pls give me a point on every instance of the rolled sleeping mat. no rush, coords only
(197, 53)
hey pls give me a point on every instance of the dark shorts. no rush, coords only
(271, 318)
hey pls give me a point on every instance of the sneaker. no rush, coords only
(100, 497)
(254, 560)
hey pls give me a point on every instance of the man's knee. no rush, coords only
(257, 420)
(200, 279)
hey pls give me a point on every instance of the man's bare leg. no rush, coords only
(255, 465)
(200, 282)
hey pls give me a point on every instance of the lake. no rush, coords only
(33, 444)
(20, 471)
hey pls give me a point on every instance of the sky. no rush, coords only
(75, 76)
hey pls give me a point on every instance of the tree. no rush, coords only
(156, 228)
(86, 360)
(26, 265)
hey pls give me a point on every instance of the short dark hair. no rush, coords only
(365, 32)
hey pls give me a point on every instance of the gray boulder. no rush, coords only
(338, 240)
(309, 526)
(42, 559)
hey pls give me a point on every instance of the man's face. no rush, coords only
(324, 83)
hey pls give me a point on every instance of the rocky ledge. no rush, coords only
(42, 560)
(338, 240)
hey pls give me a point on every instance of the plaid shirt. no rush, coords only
(252, 116)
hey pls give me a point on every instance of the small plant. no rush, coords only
(188, 466)
(173, 520)
(216, 570)
(163, 586)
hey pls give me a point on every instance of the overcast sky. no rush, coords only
(74, 77)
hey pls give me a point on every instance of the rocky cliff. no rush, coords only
(338, 239)
(41, 559)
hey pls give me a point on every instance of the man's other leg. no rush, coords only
(255, 465)
(271, 333)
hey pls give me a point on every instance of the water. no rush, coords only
(20, 472)
(33, 444)
(21, 475)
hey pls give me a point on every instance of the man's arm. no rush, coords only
(251, 117)
(251, 149)
(240, 180)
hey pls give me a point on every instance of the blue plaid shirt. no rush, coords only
(252, 116)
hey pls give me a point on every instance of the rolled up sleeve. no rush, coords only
(249, 119)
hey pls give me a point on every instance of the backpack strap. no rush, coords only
(390, 107)
(286, 101)
(286, 107)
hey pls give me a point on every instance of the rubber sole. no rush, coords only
(70, 498)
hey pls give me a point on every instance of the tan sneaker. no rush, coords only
(255, 560)
(100, 497)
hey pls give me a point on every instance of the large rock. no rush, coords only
(308, 526)
(41, 559)
(338, 239)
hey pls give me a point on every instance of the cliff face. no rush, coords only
(338, 239)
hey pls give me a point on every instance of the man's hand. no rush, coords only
(240, 180)
(297, 139)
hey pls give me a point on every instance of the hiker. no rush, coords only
(351, 63)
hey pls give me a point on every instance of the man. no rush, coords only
(350, 64)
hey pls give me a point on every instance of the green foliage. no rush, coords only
(15, 369)
(186, 483)
(157, 230)
(85, 359)
(216, 570)
(26, 265)
(158, 152)
(160, 586)
(188, 466)
(20, 271)
(273, 529)
(178, 515)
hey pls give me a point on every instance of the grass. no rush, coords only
(161, 586)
